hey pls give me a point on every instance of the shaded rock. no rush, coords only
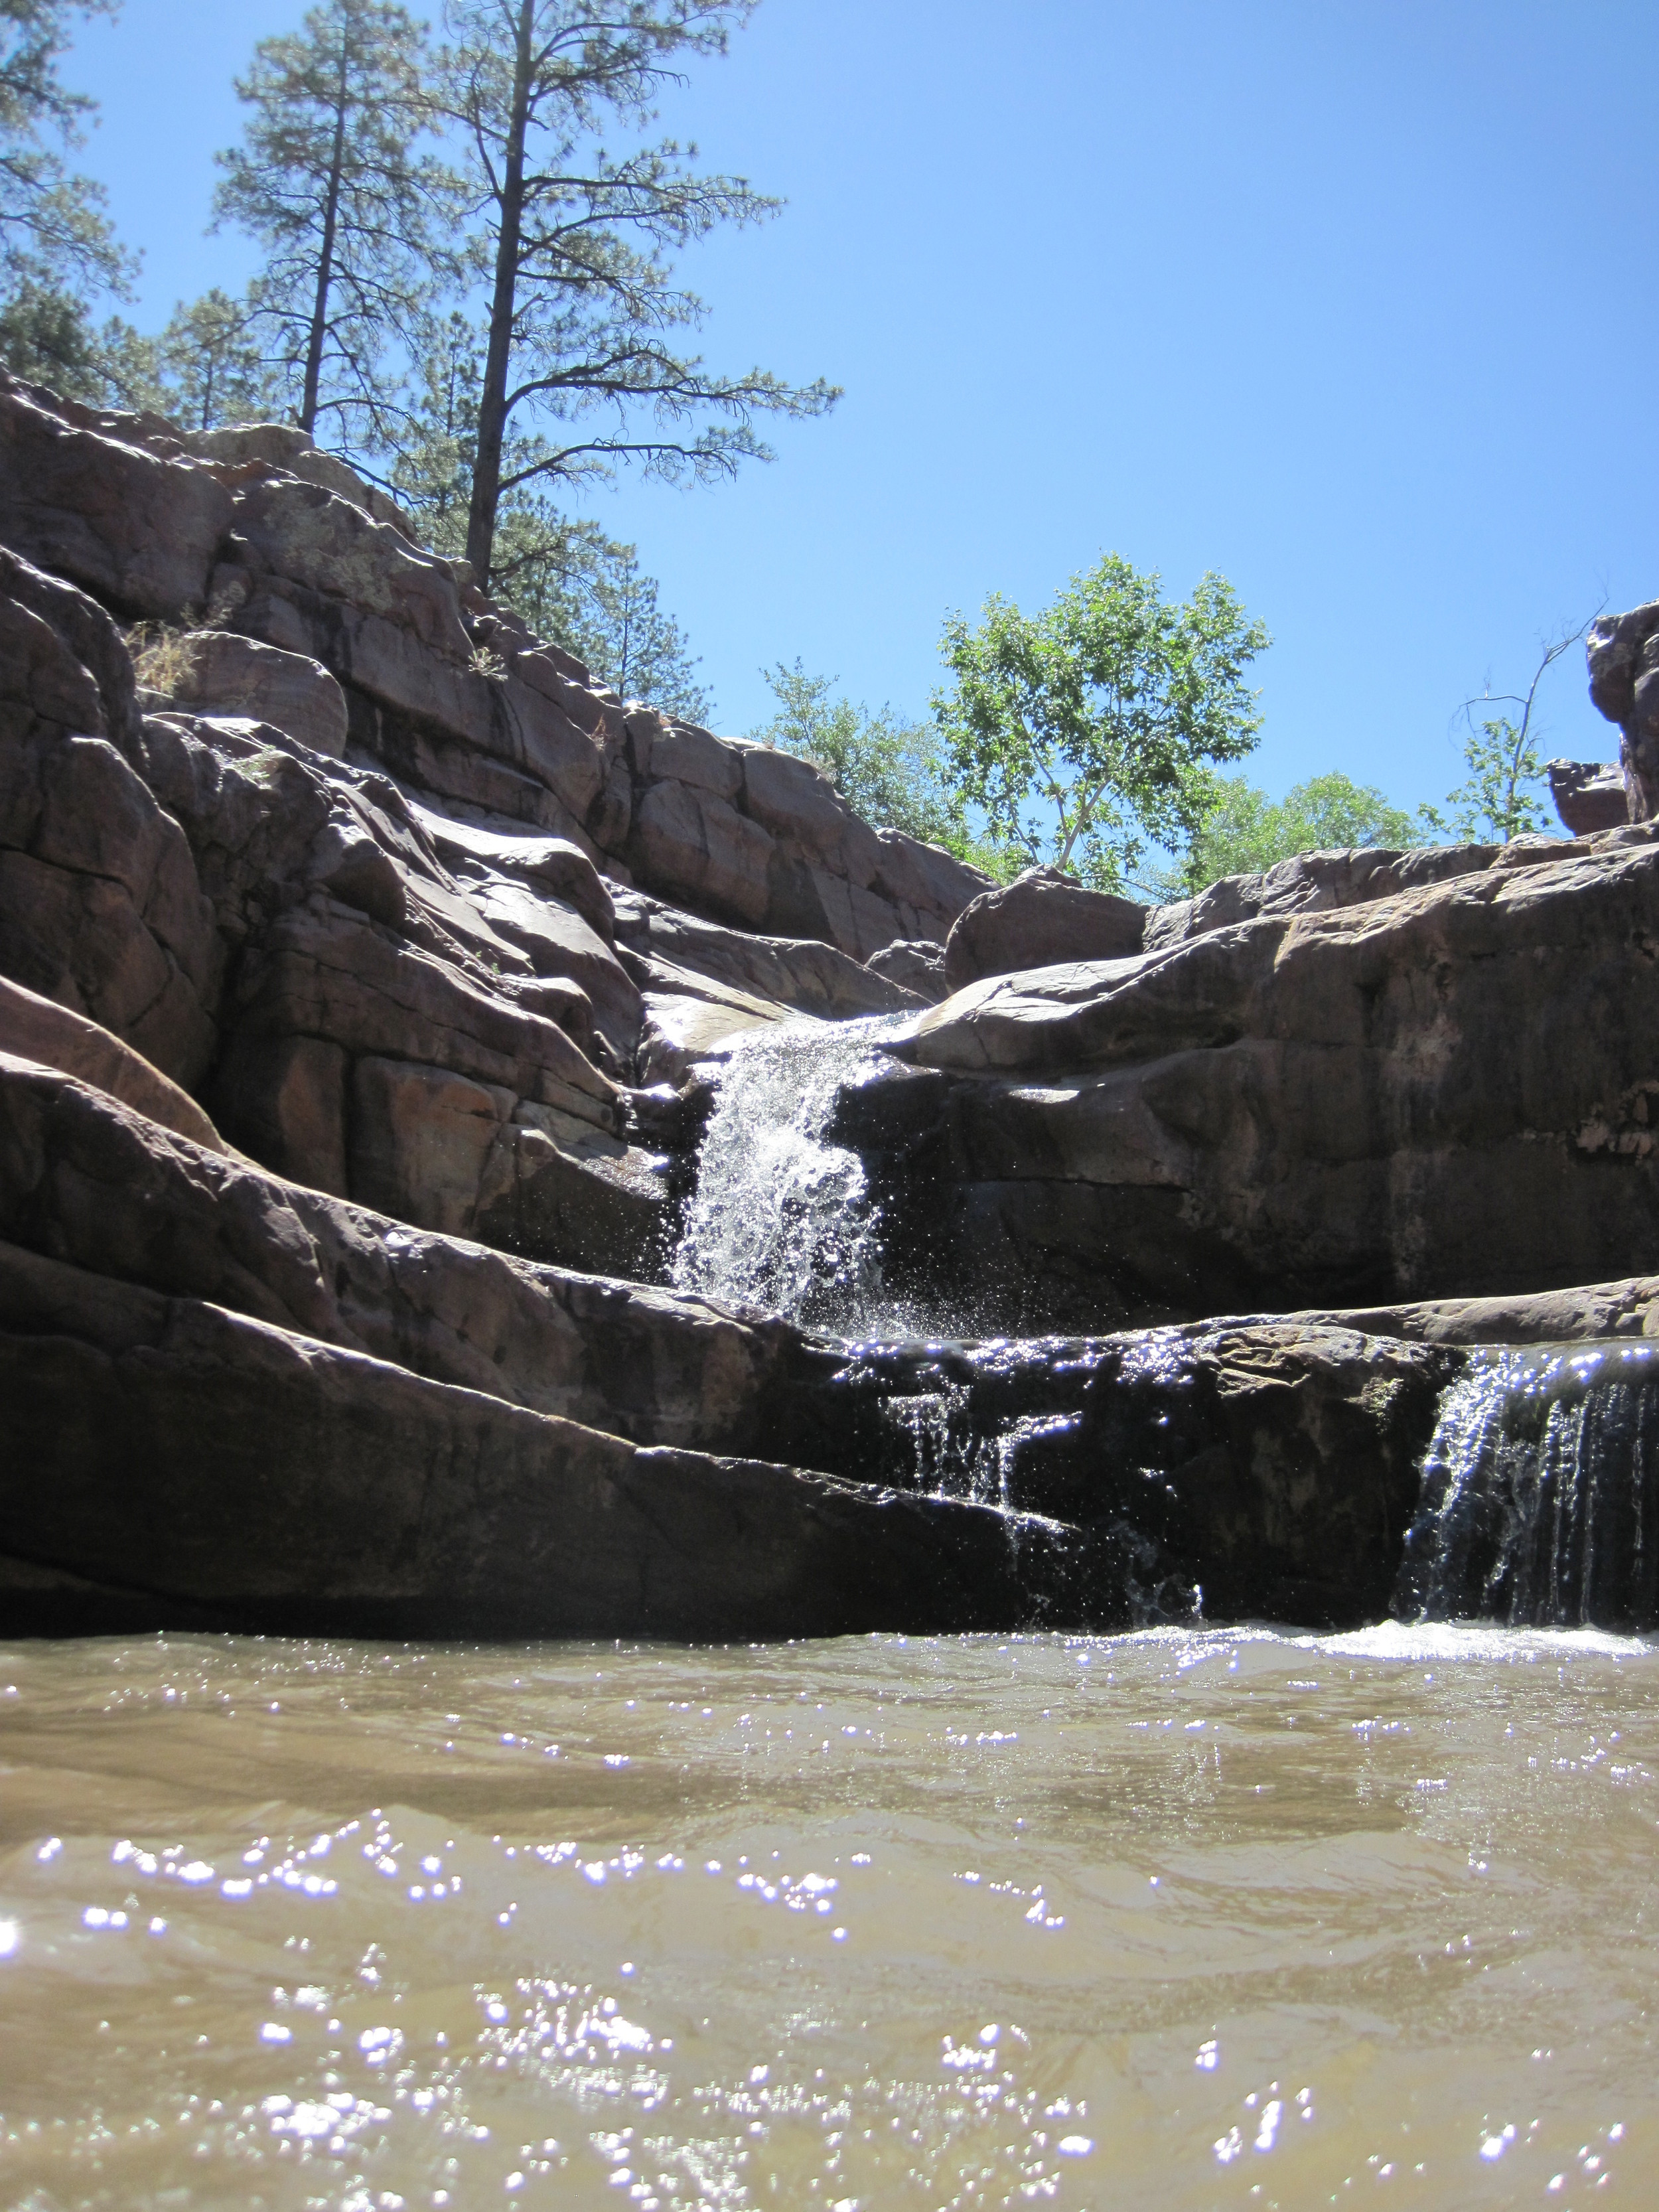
(90, 640)
(271, 1481)
(1588, 795)
(88, 1182)
(917, 966)
(217, 672)
(1263, 1470)
(101, 908)
(1041, 917)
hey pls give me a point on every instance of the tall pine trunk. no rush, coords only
(492, 399)
(325, 258)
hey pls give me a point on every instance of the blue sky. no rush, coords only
(1350, 300)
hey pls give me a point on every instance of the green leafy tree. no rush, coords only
(1498, 798)
(210, 367)
(329, 181)
(1091, 730)
(892, 771)
(584, 365)
(1246, 832)
(58, 252)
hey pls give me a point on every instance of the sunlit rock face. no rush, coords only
(1440, 1093)
(478, 1153)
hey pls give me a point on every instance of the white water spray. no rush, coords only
(782, 1218)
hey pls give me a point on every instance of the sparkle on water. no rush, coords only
(1184, 1919)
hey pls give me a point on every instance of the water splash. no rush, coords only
(781, 1218)
(1539, 1500)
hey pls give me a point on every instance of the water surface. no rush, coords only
(1183, 1919)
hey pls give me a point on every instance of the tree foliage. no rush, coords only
(1245, 832)
(209, 368)
(1089, 731)
(1498, 798)
(570, 582)
(891, 770)
(329, 181)
(59, 252)
(584, 364)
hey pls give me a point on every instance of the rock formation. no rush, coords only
(366, 971)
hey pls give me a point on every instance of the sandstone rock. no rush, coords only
(802, 973)
(1317, 883)
(695, 1021)
(1041, 917)
(285, 446)
(1588, 796)
(99, 904)
(40, 1031)
(1623, 652)
(310, 537)
(553, 864)
(218, 673)
(137, 531)
(89, 1183)
(1438, 1095)
(917, 966)
(270, 1481)
(690, 843)
(89, 640)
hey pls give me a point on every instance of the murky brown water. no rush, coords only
(1180, 1920)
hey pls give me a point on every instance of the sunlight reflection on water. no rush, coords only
(1181, 1919)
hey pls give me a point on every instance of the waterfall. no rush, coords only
(781, 1218)
(1540, 1500)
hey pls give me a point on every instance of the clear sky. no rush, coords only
(1351, 299)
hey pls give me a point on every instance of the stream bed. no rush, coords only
(1185, 1918)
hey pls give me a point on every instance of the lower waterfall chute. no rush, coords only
(1540, 1503)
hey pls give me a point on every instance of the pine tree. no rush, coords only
(57, 249)
(571, 583)
(582, 366)
(329, 180)
(210, 367)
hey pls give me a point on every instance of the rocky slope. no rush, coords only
(364, 968)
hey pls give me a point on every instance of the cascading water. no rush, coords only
(1540, 1503)
(781, 1218)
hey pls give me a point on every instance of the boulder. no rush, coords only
(215, 671)
(917, 966)
(1041, 917)
(1588, 796)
